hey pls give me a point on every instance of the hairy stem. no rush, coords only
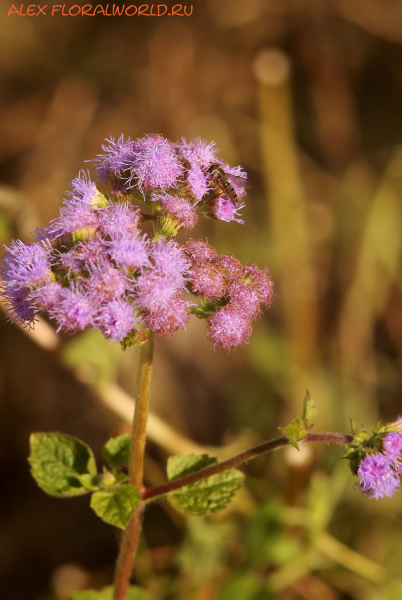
(132, 532)
(235, 461)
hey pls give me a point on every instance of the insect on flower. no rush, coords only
(221, 181)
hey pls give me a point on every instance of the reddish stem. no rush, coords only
(235, 461)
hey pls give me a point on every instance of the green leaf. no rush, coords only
(117, 506)
(295, 432)
(309, 409)
(133, 593)
(59, 461)
(206, 496)
(185, 464)
(90, 482)
(117, 450)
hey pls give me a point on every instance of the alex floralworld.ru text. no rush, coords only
(110, 10)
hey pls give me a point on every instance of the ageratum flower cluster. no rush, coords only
(377, 460)
(379, 472)
(94, 266)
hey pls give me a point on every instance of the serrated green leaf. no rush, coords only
(185, 464)
(58, 461)
(117, 506)
(133, 593)
(309, 409)
(117, 450)
(206, 496)
(294, 432)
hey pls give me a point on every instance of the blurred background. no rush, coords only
(306, 95)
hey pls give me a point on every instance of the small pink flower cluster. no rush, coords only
(93, 266)
(234, 293)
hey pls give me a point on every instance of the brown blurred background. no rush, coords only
(306, 95)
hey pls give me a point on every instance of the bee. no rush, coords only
(220, 180)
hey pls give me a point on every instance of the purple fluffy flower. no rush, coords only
(45, 297)
(105, 283)
(94, 264)
(155, 164)
(245, 298)
(155, 291)
(25, 266)
(115, 320)
(157, 286)
(198, 182)
(117, 158)
(42, 235)
(82, 255)
(19, 307)
(223, 209)
(392, 447)
(232, 266)
(197, 155)
(229, 328)
(197, 152)
(260, 281)
(130, 252)
(179, 208)
(74, 312)
(74, 216)
(118, 220)
(170, 260)
(170, 320)
(79, 211)
(85, 190)
(377, 477)
(207, 279)
(200, 251)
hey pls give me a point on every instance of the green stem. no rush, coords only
(132, 532)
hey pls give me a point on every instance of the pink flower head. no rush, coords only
(229, 327)
(245, 298)
(179, 208)
(47, 296)
(25, 266)
(170, 320)
(154, 291)
(260, 281)
(200, 251)
(377, 477)
(74, 312)
(105, 283)
(207, 279)
(19, 307)
(118, 220)
(392, 448)
(115, 319)
(170, 260)
(129, 252)
(155, 164)
(223, 209)
(197, 152)
(117, 159)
